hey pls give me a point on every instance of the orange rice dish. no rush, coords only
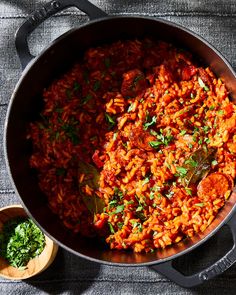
(136, 145)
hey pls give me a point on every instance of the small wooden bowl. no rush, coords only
(34, 266)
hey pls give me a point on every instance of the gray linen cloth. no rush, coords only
(215, 20)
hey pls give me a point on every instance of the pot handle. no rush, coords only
(40, 15)
(212, 271)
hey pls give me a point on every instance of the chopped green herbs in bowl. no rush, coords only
(20, 241)
(24, 249)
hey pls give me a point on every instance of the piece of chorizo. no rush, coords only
(217, 184)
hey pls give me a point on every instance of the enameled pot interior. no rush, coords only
(26, 103)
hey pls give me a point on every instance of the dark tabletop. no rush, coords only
(215, 20)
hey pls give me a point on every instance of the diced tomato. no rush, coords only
(97, 160)
(100, 223)
(188, 72)
(229, 110)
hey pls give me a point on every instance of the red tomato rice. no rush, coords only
(136, 110)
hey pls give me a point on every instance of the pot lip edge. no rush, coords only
(37, 58)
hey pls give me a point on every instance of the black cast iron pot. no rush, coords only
(25, 104)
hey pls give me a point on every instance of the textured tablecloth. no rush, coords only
(215, 20)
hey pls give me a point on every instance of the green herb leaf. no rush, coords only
(206, 129)
(148, 124)
(130, 108)
(202, 84)
(119, 209)
(97, 85)
(110, 120)
(181, 171)
(152, 195)
(161, 139)
(200, 204)
(221, 112)
(111, 228)
(155, 144)
(77, 86)
(188, 191)
(214, 162)
(87, 98)
(191, 162)
(139, 208)
(183, 132)
(120, 224)
(169, 195)
(145, 181)
(112, 203)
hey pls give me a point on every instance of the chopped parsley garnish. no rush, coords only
(119, 209)
(181, 171)
(214, 162)
(20, 241)
(145, 181)
(97, 85)
(112, 203)
(72, 132)
(137, 225)
(130, 108)
(110, 120)
(139, 208)
(152, 195)
(200, 141)
(77, 86)
(188, 191)
(202, 84)
(206, 129)
(155, 144)
(199, 204)
(183, 132)
(85, 99)
(207, 140)
(221, 112)
(111, 228)
(169, 195)
(161, 139)
(191, 162)
(118, 193)
(149, 122)
(120, 225)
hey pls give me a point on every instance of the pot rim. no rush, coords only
(26, 71)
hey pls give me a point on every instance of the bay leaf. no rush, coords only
(198, 165)
(91, 178)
